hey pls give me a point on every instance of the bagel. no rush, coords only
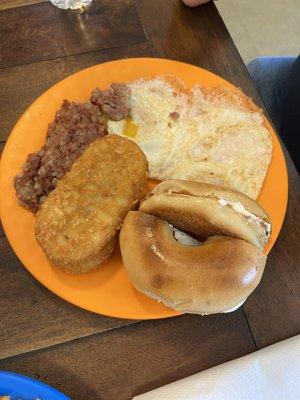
(205, 210)
(212, 277)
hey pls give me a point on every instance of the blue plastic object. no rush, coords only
(21, 387)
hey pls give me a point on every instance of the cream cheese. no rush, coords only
(235, 205)
(238, 207)
(184, 239)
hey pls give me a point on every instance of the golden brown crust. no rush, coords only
(78, 220)
(178, 85)
(209, 190)
(213, 277)
(88, 264)
(232, 96)
(198, 208)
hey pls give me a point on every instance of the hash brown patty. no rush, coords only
(77, 223)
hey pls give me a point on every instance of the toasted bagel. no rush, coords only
(215, 276)
(204, 210)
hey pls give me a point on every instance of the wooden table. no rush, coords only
(88, 355)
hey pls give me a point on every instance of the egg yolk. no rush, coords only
(130, 128)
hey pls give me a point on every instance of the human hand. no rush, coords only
(194, 3)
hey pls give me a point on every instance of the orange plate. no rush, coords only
(108, 290)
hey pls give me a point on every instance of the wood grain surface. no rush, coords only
(1, 228)
(273, 311)
(41, 31)
(124, 362)
(5, 4)
(32, 317)
(88, 355)
(194, 35)
(20, 86)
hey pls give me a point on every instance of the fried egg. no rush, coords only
(213, 135)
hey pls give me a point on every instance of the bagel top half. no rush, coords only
(214, 276)
(205, 210)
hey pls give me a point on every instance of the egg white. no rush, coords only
(213, 142)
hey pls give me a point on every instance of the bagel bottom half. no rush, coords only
(212, 277)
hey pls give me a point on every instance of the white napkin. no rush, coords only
(272, 373)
